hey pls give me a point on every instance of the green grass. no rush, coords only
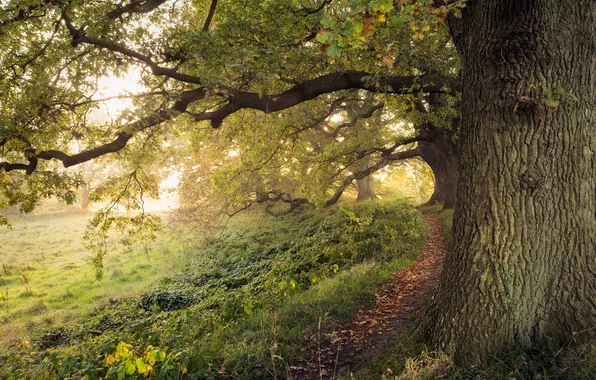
(46, 279)
(246, 305)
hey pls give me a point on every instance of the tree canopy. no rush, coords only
(520, 268)
(198, 61)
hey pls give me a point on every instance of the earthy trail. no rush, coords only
(382, 325)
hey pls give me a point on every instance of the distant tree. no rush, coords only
(311, 153)
(366, 188)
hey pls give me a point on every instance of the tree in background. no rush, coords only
(310, 153)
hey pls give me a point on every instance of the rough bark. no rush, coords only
(521, 270)
(441, 158)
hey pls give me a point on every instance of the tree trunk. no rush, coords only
(85, 190)
(440, 156)
(366, 190)
(127, 208)
(261, 193)
(521, 270)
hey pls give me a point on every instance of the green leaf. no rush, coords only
(141, 366)
(400, 20)
(325, 36)
(353, 27)
(129, 367)
(248, 308)
(327, 22)
(120, 372)
(333, 51)
(382, 6)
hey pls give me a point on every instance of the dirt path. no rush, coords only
(382, 325)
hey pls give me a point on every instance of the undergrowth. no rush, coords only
(251, 301)
(410, 359)
(413, 361)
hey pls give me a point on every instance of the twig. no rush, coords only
(319, 350)
(336, 358)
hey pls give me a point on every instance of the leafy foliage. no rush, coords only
(247, 303)
(51, 80)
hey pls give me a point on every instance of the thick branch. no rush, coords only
(307, 90)
(277, 196)
(325, 84)
(117, 144)
(210, 15)
(384, 161)
(293, 206)
(8, 167)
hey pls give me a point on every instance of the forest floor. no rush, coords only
(382, 325)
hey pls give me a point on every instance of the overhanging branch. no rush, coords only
(117, 144)
(312, 88)
(238, 100)
(79, 37)
(277, 196)
(136, 6)
(8, 167)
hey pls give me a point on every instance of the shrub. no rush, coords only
(249, 300)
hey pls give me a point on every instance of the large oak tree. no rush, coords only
(521, 269)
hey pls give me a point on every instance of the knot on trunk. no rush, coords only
(514, 47)
(531, 179)
(526, 105)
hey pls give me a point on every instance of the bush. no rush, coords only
(247, 302)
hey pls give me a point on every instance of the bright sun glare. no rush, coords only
(112, 86)
(109, 110)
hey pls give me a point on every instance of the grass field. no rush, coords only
(46, 278)
(248, 300)
(245, 303)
